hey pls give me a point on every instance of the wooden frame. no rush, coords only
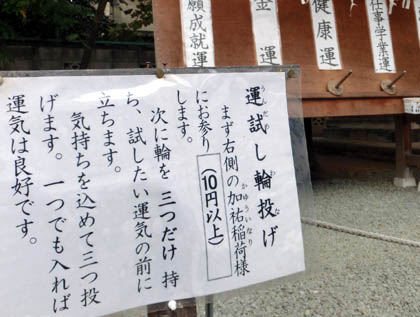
(234, 46)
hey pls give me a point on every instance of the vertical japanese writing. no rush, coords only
(49, 121)
(380, 35)
(236, 199)
(266, 206)
(198, 33)
(325, 34)
(141, 217)
(148, 186)
(213, 206)
(417, 10)
(162, 151)
(266, 31)
(141, 213)
(141, 210)
(107, 123)
(85, 205)
(57, 220)
(182, 117)
(61, 286)
(204, 126)
(168, 240)
(19, 147)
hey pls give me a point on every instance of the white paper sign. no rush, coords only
(412, 105)
(266, 31)
(417, 10)
(121, 191)
(197, 33)
(380, 36)
(325, 34)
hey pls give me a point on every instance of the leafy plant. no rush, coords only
(67, 20)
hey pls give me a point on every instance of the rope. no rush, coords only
(360, 233)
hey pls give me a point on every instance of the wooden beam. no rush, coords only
(182, 312)
(403, 149)
(351, 107)
(168, 33)
(232, 31)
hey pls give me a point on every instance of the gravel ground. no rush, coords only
(359, 277)
(355, 276)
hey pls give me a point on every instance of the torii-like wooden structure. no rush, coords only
(234, 45)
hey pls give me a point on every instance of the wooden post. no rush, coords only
(403, 174)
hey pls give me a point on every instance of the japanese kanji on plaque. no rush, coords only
(126, 190)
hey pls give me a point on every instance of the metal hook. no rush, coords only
(389, 87)
(336, 87)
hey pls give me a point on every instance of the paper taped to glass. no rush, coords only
(121, 191)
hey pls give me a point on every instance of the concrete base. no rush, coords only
(405, 182)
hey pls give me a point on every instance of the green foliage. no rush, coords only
(141, 16)
(66, 20)
(45, 19)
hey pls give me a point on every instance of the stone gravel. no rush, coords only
(355, 276)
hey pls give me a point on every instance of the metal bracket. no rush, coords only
(160, 73)
(336, 87)
(389, 87)
(291, 73)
